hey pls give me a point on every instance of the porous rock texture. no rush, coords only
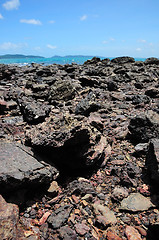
(90, 133)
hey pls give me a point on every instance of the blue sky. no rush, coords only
(108, 28)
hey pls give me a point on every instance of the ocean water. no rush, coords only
(48, 61)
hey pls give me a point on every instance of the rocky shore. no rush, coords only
(79, 150)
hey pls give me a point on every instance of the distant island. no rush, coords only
(20, 56)
(10, 56)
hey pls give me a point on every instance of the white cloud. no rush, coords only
(10, 5)
(83, 18)
(105, 42)
(142, 40)
(52, 22)
(112, 39)
(37, 48)
(51, 46)
(31, 21)
(12, 46)
(138, 49)
(1, 17)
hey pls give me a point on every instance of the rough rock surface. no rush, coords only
(98, 123)
(9, 216)
(19, 168)
(136, 202)
(152, 159)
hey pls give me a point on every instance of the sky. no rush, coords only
(108, 28)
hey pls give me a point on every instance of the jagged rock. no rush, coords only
(112, 86)
(152, 160)
(152, 92)
(68, 142)
(63, 90)
(87, 105)
(60, 216)
(144, 127)
(19, 168)
(152, 61)
(80, 187)
(3, 106)
(9, 216)
(136, 202)
(33, 112)
(121, 60)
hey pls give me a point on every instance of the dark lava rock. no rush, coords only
(80, 187)
(60, 216)
(34, 112)
(63, 90)
(112, 86)
(152, 92)
(18, 167)
(121, 60)
(139, 99)
(67, 141)
(144, 127)
(152, 61)
(152, 160)
(87, 105)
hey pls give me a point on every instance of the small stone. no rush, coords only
(81, 229)
(106, 212)
(66, 233)
(132, 233)
(54, 188)
(112, 236)
(136, 202)
(119, 193)
(141, 230)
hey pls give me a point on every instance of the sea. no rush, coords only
(53, 60)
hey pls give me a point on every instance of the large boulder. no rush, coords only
(68, 141)
(19, 168)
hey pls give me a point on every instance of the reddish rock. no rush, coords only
(112, 236)
(132, 233)
(81, 229)
(9, 216)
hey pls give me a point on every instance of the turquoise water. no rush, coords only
(48, 61)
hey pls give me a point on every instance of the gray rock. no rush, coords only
(60, 216)
(136, 202)
(109, 216)
(66, 233)
(19, 167)
(152, 160)
(67, 141)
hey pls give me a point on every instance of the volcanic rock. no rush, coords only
(9, 216)
(19, 167)
(152, 159)
(136, 202)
